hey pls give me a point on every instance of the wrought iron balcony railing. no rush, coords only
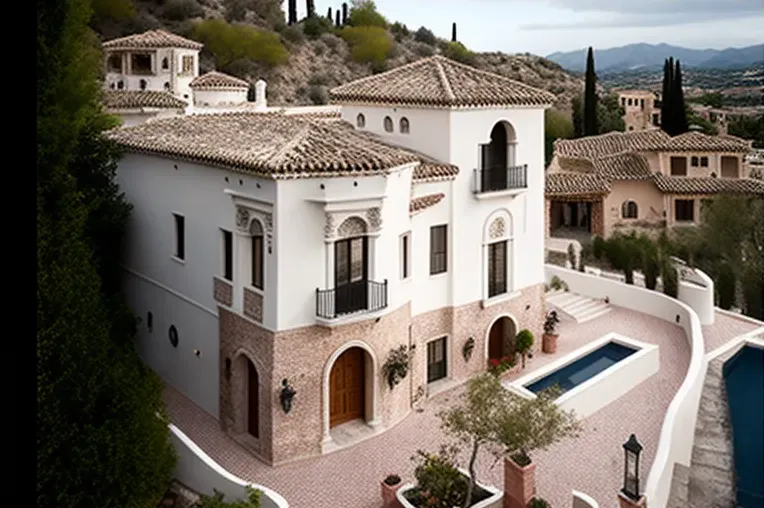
(354, 297)
(492, 179)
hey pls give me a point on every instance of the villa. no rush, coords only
(623, 181)
(640, 110)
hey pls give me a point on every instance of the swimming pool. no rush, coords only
(584, 368)
(744, 380)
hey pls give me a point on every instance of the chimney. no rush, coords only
(260, 100)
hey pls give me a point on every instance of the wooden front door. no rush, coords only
(496, 340)
(347, 387)
(253, 403)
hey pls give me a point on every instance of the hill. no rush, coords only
(650, 56)
(320, 54)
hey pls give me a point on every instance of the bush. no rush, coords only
(423, 49)
(368, 44)
(426, 36)
(538, 502)
(439, 482)
(650, 261)
(459, 52)
(725, 286)
(598, 248)
(316, 26)
(364, 13)
(293, 34)
(524, 343)
(318, 95)
(179, 10)
(216, 500)
(670, 278)
(230, 42)
(399, 30)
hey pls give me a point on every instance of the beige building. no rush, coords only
(717, 117)
(640, 112)
(642, 180)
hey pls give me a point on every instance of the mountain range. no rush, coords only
(646, 56)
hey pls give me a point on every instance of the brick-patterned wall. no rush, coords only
(222, 291)
(253, 304)
(547, 217)
(598, 218)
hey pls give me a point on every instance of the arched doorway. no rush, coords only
(347, 387)
(253, 400)
(501, 338)
(497, 156)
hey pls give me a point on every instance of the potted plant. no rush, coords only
(524, 343)
(549, 339)
(396, 367)
(497, 366)
(390, 486)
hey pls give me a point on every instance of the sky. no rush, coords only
(542, 27)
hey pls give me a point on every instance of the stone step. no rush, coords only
(583, 306)
(561, 297)
(594, 314)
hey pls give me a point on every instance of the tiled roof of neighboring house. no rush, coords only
(571, 164)
(422, 202)
(217, 80)
(707, 185)
(152, 39)
(130, 99)
(611, 143)
(699, 142)
(433, 171)
(574, 184)
(276, 145)
(623, 166)
(439, 82)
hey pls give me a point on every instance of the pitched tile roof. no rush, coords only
(271, 144)
(214, 80)
(433, 171)
(571, 164)
(440, 82)
(611, 143)
(623, 166)
(574, 184)
(707, 185)
(152, 39)
(130, 99)
(421, 203)
(698, 142)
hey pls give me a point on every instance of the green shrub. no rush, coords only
(217, 501)
(725, 285)
(598, 247)
(179, 10)
(364, 13)
(426, 36)
(315, 26)
(538, 502)
(650, 261)
(423, 49)
(230, 42)
(399, 31)
(318, 95)
(293, 34)
(368, 44)
(439, 482)
(523, 343)
(670, 278)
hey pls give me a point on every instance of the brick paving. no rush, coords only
(592, 462)
(725, 328)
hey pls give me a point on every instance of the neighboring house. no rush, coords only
(644, 179)
(640, 111)
(717, 117)
(271, 249)
(135, 107)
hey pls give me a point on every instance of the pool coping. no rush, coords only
(643, 349)
(754, 338)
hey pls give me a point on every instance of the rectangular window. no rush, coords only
(694, 162)
(438, 249)
(684, 210)
(257, 261)
(436, 360)
(497, 268)
(642, 104)
(678, 166)
(187, 64)
(405, 256)
(180, 236)
(141, 64)
(227, 255)
(115, 63)
(704, 162)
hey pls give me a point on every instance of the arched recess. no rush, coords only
(503, 330)
(370, 385)
(247, 394)
(500, 149)
(352, 226)
(629, 210)
(498, 254)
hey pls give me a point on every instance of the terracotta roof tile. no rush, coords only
(130, 99)
(571, 165)
(708, 185)
(430, 171)
(421, 203)
(699, 142)
(439, 82)
(611, 143)
(276, 145)
(215, 80)
(623, 166)
(574, 184)
(152, 39)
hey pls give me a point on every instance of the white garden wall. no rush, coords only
(676, 440)
(581, 500)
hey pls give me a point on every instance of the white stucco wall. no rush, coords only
(156, 80)
(136, 118)
(219, 97)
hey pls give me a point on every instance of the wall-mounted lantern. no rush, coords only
(173, 334)
(631, 450)
(469, 345)
(287, 394)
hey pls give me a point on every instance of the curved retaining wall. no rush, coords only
(202, 474)
(675, 443)
(581, 500)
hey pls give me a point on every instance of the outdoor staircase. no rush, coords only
(580, 308)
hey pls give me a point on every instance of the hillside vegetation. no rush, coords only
(250, 39)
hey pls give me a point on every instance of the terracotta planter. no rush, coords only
(549, 343)
(519, 484)
(388, 494)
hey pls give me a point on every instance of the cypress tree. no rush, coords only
(311, 8)
(590, 97)
(292, 12)
(329, 15)
(677, 97)
(666, 98)
(344, 13)
(453, 32)
(337, 20)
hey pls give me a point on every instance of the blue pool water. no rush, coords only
(584, 368)
(744, 378)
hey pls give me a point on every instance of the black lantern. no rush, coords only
(631, 449)
(287, 394)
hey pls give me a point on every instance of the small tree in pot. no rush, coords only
(524, 343)
(549, 339)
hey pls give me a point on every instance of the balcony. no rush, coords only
(354, 298)
(500, 181)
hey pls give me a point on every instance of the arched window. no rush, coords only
(360, 121)
(165, 63)
(388, 124)
(167, 86)
(497, 242)
(630, 102)
(629, 210)
(256, 230)
(404, 125)
(120, 85)
(143, 84)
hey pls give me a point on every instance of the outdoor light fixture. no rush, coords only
(631, 449)
(467, 350)
(287, 394)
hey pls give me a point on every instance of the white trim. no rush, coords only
(502, 298)
(754, 337)
(169, 290)
(369, 375)
(741, 317)
(585, 498)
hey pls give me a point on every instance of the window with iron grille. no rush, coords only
(438, 249)
(497, 268)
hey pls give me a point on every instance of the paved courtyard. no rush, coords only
(592, 463)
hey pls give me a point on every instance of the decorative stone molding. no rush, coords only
(256, 228)
(222, 291)
(268, 221)
(328, 225)
(374, 218)
(242, 219)
(498, 229)
(352, 226)
(253, 305)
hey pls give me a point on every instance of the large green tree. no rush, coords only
(99, 440)
(668, 78)
(678, 107)
(557, 125)
(590, 97)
